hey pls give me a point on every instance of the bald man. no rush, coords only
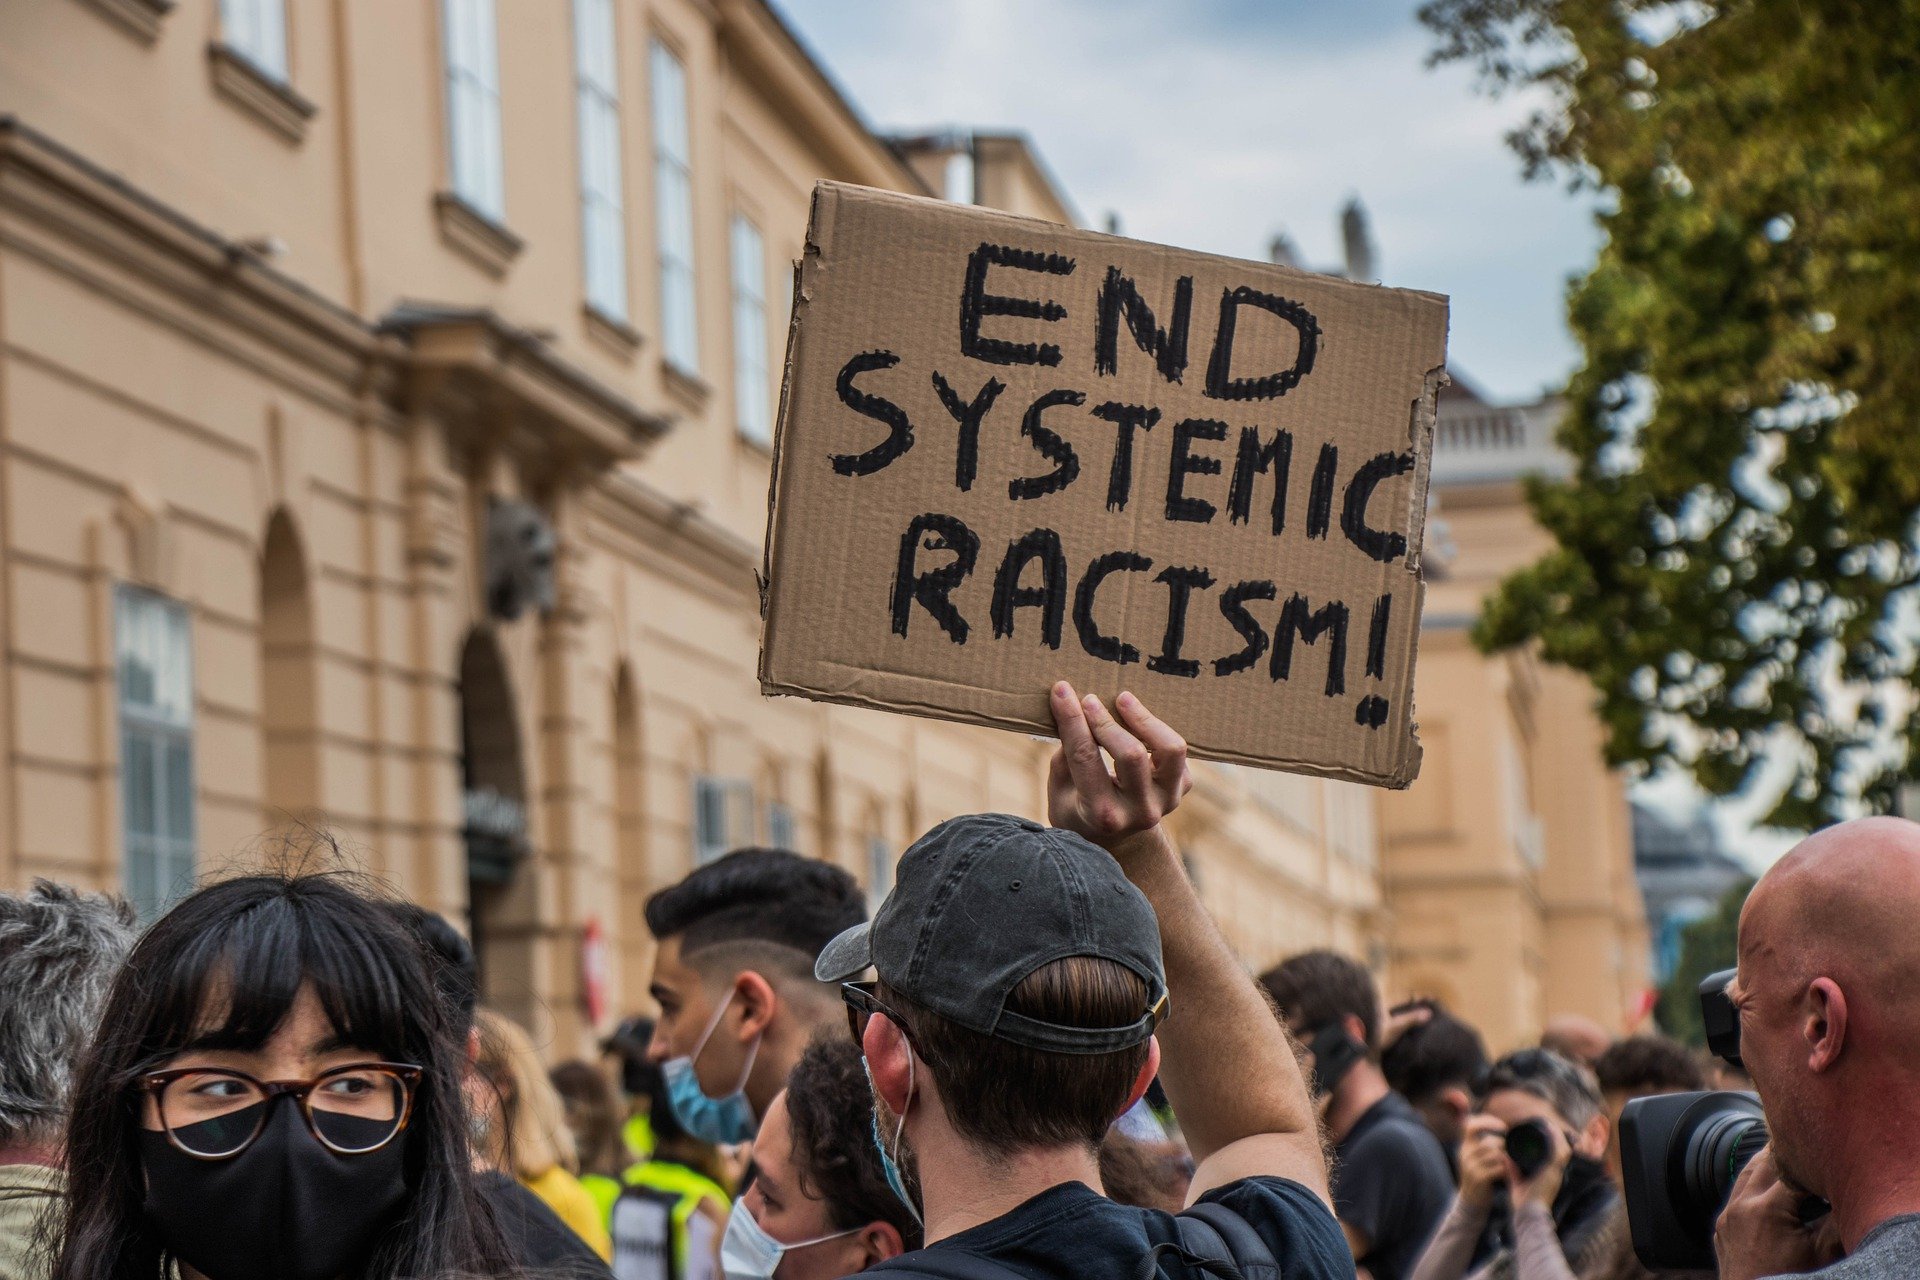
(1829, 999)
(1572, 1036)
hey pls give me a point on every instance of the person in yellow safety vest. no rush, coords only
(680, 1169)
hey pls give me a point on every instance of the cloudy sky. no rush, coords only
(1213, 124)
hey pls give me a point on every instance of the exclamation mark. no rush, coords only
(1372, 711)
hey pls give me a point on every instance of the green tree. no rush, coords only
(1739, 546)
(1707, 946)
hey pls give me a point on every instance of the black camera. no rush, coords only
(1680, 1153)
(1530, 1147)
(1679, 1156)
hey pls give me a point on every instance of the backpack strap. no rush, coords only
(1216, 1232)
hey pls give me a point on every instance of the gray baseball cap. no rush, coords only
(979, 904)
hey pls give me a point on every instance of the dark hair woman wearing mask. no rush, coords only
(273, 1094)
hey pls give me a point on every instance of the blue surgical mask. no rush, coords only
(747, 1252)
(889, 1161)
(718, 1120)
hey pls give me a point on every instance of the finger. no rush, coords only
(1168, 747)
(1759, 1176)
(1132, 762)
(1089, 772)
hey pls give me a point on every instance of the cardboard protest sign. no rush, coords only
(1011, 452)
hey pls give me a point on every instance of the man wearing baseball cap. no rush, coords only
(1031, 981)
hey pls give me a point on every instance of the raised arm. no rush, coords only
(1227, 1063)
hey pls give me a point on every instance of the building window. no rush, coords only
(155, 667)
(673, 194)
(752, 391)
(473, 106)
(722, 816)
(879, 869)
(782, 830)
(257, 31)
(602, 207)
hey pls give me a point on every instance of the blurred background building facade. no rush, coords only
(386, 392)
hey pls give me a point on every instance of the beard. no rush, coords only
(887, 1124)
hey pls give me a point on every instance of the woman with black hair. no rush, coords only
(274, 1093)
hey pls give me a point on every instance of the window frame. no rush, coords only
(256, 32)
(732, 800)
(470, 50)
(752, 367)
(676, 255)
(603, 206)
(158, 861)
(783, 825)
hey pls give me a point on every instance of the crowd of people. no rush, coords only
(1037, 1059)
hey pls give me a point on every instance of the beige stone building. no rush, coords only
(385, 388)
(1509, 862)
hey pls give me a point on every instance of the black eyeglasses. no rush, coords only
(215, 1114)
(862, 1004)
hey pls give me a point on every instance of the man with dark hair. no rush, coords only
(733, 976)
(1022, 972)
(1639, 1067)
(1391, 1180)
(1433, 1064)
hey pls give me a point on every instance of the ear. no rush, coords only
(1592, 1140)
(757, 1002)
(1458, 1101)
(888, 1059)
(1148, 1070)
(880, 1241)
(1357, 1029)
(473, 1047)
(1825, 1024)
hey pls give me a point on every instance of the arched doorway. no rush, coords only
(494, 795)
(289, 723)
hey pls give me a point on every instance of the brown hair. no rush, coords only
(1315, 988)
(1004, 1097)
(534, 1136)
(593, 1113)
(1649, 1064)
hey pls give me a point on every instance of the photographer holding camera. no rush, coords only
(1535, 1202)
(1829, 1023)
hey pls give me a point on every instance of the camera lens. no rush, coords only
(1530, 1146)
(1719, 1150)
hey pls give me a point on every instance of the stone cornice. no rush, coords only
(462, 358)
(66, 205)
(656, 525)
(93, 224)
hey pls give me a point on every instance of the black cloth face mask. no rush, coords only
(286, 1208)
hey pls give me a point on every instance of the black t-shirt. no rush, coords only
(1390, 1183)
(536, 1237)
(1073, 1231)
